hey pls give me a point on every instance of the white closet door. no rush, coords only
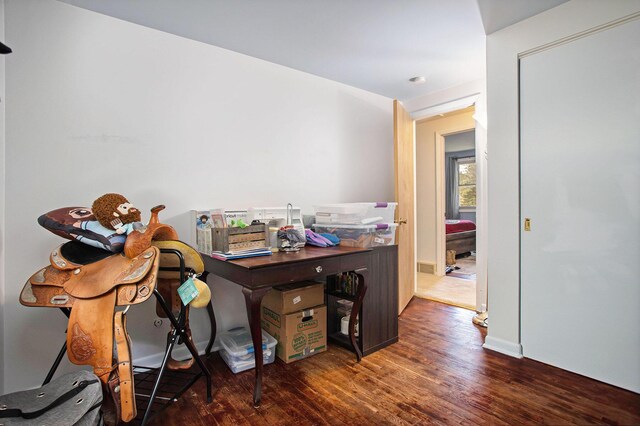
(580, 185)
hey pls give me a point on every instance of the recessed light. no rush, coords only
(418, 80)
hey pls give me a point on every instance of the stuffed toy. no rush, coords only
(114, 211)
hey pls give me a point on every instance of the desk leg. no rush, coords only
(355, 310)
(212, 320)
(212, 317)
(253, 298)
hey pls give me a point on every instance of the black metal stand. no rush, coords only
(56, 363)
(178, 335)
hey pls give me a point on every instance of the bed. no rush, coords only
(461, 236)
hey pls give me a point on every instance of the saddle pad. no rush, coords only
(192, 259)
(73, 255)
(82, 254)
(72, 399)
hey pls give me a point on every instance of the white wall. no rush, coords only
(2, 191)
(503, 48)
(426, 219)
(460, 141)
(446, 100)
(96, 104)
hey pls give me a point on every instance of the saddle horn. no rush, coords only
(140, 240)
(154, 213)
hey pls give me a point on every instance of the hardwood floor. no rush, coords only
(437, 373)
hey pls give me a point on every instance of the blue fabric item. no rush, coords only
(326, 240)
(334, 239)
(316, 240)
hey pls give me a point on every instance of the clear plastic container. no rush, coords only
(237, 349)
(380, 234)
(343, 307)
(356, 213)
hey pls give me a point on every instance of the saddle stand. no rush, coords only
(178, 334)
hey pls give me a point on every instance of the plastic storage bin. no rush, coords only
(237, 349)
(343, 307)
(380, 234)
(356, 213)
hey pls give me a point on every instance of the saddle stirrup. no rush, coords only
(174, 364)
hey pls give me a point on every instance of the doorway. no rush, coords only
(446, 208)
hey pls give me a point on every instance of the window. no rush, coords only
(467, 183)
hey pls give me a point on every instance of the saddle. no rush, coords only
(94, 283)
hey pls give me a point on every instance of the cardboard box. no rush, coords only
(289, 298)
(299, 334)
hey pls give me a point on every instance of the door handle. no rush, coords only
(402, 221)
(527, 224)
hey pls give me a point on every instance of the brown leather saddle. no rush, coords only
(94, 282)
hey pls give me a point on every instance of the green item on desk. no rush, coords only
(188, 291)
(238, 223)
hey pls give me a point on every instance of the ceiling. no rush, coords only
(499, 14)
(376, 45)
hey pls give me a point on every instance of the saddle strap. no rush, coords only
(90, 334)
(128, 410)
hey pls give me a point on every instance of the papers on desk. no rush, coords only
(241, 254)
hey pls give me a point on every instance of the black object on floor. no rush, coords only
(450, 269)
(72, 399)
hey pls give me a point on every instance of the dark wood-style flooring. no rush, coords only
(437, 373)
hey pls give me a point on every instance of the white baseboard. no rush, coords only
(503, 346)
(179, 353)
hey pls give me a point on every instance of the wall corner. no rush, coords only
(2, 198)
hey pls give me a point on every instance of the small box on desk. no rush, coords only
(300, 334)
(227, 231)
(230, 240)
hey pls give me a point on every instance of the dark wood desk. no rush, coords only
(257, 275)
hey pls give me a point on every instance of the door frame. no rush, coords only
(441, 179)
(407, 241)
(479, 100)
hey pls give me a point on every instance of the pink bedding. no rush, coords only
(454, 226)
